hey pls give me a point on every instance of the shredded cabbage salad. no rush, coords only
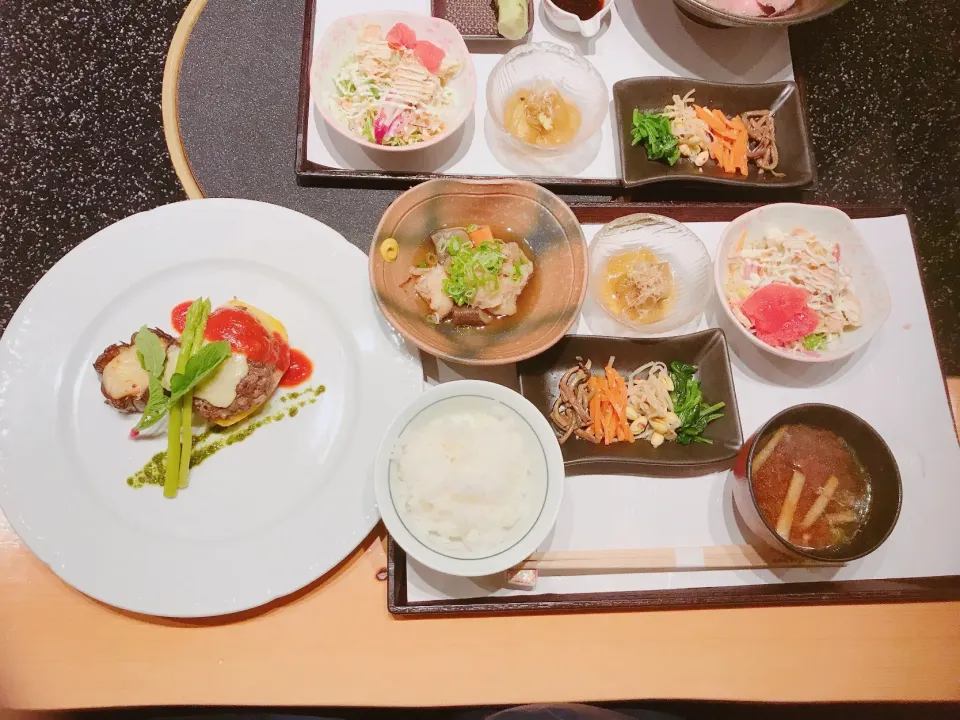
(385, 93)
(801, 260)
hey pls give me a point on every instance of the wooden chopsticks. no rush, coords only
(718, 557)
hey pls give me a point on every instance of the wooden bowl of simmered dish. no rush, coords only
(479, 272)
(818, 482)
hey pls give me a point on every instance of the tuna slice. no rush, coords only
(780, 314)
(429, 55)
(402, 35)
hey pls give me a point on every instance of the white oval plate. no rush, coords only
(261, 518)
(523, 544)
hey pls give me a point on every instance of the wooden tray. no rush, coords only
(836, 592)
(309, 172)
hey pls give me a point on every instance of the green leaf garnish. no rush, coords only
(150, 352)
(157, 406)
(815, 341)
(152, 358)
(198, 367)
(653, 130)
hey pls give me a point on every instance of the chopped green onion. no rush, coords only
(472, 269)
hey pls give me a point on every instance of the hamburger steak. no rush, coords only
(125, 385)
(253, 391)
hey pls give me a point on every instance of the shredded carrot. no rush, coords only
(710, 119)
(608, 407)
(595, 408)
(743, 237)
(740, 145)
(730, 139)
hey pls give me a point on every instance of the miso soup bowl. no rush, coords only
(872, 451)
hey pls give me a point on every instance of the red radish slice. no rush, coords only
(429, 55)
(402, 35)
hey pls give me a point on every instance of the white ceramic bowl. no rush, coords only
(669, 240)
(339, 41)
(571, 73)
(833, 225)
(526, 537)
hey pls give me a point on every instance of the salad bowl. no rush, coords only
(834, 226)
(342, 38)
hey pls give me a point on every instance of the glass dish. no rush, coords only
(572, 74)
(670, 241)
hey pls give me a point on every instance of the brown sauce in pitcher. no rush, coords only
(583, 9)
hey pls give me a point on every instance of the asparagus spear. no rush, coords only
(190, 340)
(187, 413)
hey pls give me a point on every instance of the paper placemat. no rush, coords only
(894, 383)
(640, 38)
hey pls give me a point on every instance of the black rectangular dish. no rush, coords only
(539, 382)
(651, 94)
(475, 19)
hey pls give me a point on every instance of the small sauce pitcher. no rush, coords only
(572, 23)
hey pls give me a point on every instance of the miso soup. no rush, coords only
(810, 486)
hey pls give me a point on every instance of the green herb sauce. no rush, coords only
(214, 438)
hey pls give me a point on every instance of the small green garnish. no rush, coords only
(152, 358)
(472, 228)
(815, 341)
(653, 130)
(689, 405)
(472, 268)
(517, 273)
(204, 361)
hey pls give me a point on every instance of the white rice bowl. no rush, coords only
(469, 478)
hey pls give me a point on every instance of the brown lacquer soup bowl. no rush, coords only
(520, 212)
(874, 458)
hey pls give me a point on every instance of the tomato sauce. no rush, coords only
(178, 316)
(300, 370)
(248, 336)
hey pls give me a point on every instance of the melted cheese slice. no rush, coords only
(124, 376)
(218, 389)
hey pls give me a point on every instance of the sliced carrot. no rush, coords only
(609, 430)
(595, 407)
(710, 119)
(481, 234)
(740, 146)
(743, 237)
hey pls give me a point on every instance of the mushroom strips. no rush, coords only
(571, 411)
(763, 141)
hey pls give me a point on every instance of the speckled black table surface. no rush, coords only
(81, 141)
